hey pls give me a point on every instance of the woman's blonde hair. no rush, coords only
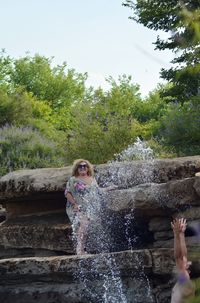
(76, 163)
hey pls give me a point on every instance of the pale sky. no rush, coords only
(93, 36)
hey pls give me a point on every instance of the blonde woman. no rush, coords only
(80, 193)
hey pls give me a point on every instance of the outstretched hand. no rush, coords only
(110, 188)
(179, 225)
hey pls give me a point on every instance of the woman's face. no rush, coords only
(82, 168)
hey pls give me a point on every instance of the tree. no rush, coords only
(105, 124)
(181, 19)
(15, 107)
(57, 85)
(180, 128)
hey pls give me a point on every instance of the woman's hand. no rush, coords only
(76, 207)
(110, 188)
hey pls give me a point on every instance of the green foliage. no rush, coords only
(82, 123)
(22, 147)
(197, 292)
(105, 125)
(152, 107)
(53, 84)
(5, 70)
(160, 149)
(15, 107)
(57, 85)
(180, 127)
(181, 19)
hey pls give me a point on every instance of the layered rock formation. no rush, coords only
(37, 257)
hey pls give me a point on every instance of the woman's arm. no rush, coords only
(72, 201)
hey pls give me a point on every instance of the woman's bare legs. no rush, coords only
(82, 234)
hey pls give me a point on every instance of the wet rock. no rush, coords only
(159, 224)
(189, 214)
(163, 260)
(129, 174)
(37, 257)
(197, 183)
(163, 235)
(26, 183)
(190, 241)
(155, 199)
(2, 214)
(51, 278)
(42, 232)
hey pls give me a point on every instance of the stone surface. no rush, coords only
(52, 266)
(163, 235)
(2, 213)
(154, 199)
(163, 261)
(189, 214)
(197, 183)
(190, 241)
(52, 278)
(129, 174)
(37, 262)
(23, 183)
(159, 224)
(50, 232)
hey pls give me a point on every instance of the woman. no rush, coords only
(80, 191)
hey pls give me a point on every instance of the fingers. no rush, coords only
(179, 224)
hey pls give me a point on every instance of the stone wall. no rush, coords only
(37, 257)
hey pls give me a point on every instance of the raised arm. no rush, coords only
(180, 249)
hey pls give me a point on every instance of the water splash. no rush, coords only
(122, 174)
(136, 151)
(99, 242)
(130, 238)
(105, 285)
(140, 282)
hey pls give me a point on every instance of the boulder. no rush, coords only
(159, 224)
(37, 256)
(2, 213)
(39, 232)
(26, 183)
(66, 278)
(190, 242)
(197, 183)
(155, 199)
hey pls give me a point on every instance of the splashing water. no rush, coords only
(100, 274)
(102, 282)
(122, 175)
(131, 240)
(137, 151)
(142, 292)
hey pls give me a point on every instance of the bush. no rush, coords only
(26, 148)
(15, 108)
(180, 128)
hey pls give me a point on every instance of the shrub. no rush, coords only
(23, 147)
(180, 128)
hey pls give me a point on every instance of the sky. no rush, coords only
(93, 36)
